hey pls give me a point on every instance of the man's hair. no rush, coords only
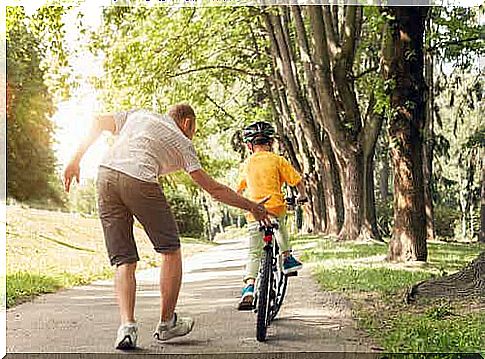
(180, 111)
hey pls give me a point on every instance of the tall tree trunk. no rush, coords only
(481, 236)
(429, 140)
(372, 129)
(403, 65)
(316, 195)
(332, 195)
(352, 195)
(384, 178)
(369, 230)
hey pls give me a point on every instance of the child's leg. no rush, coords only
(282, 236)
(290, 263)
(255, 246)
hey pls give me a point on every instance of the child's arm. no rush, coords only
(302, 192)
(293, 178)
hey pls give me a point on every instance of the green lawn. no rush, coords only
(377, 288)
(49, 250)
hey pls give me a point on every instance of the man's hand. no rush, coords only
(72, 171)
(260, 213)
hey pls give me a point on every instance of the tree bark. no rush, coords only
(346, 146)
(469, 282)
(384, 178)
(481, 236)
(352, 190)
(332, 195)
(371, 132)
(403, 66)
(429, 142)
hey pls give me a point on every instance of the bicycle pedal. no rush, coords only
(292, 274)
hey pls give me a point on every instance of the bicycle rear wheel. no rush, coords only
(263, 295)
(281, 280)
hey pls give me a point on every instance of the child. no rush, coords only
(263, 175)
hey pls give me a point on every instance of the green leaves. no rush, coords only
(207, 57)
(30, 158)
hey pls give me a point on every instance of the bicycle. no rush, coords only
(271, 283)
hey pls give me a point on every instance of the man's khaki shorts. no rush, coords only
(120, 197)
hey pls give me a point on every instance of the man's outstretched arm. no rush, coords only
(226, 195)
(99, 124)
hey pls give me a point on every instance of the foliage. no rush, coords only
(152, 61)
(457, 163)
(187, 214)
(446, 220)
(30, 158)
(82, 199)
(458, 35)
(385, 217)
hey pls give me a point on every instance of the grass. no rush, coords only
(49, 250)
(377, 288)
(384, 280)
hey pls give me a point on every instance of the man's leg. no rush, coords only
(149, 205)
(125, 287)
(117, 223)
(170, 325)
(170, 280)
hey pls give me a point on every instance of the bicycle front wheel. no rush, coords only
(263, 295)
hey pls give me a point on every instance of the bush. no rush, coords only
(385, 217)
(445, 221)
(188, 216)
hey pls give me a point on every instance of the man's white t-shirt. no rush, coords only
(149, 145)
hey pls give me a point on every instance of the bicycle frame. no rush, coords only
(270, 285)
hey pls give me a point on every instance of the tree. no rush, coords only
(31, 163)
(314, 89)
(403, 71)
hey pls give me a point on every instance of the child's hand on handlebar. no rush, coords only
(302, 199)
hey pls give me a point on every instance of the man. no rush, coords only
(147, 146)
(263, 175)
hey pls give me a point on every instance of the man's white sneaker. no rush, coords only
(127, 336)
(180, 327)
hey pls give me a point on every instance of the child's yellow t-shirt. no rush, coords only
(263, 174)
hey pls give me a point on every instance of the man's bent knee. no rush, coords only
(131, 266)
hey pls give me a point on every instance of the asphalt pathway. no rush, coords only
(85, 319)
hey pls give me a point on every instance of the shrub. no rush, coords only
(445, 221)
(187, 213)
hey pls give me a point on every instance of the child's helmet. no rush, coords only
(258, 133)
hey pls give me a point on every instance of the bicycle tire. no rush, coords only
(263, 295)
(280, 295)
(280, 281)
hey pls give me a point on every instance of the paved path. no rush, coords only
(85, 319)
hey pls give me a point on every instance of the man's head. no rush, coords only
(184, 117)
(259, 136)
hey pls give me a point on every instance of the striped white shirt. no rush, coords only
(148, 146)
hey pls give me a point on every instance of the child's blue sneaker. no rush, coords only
(290, 265)
(247, 298)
